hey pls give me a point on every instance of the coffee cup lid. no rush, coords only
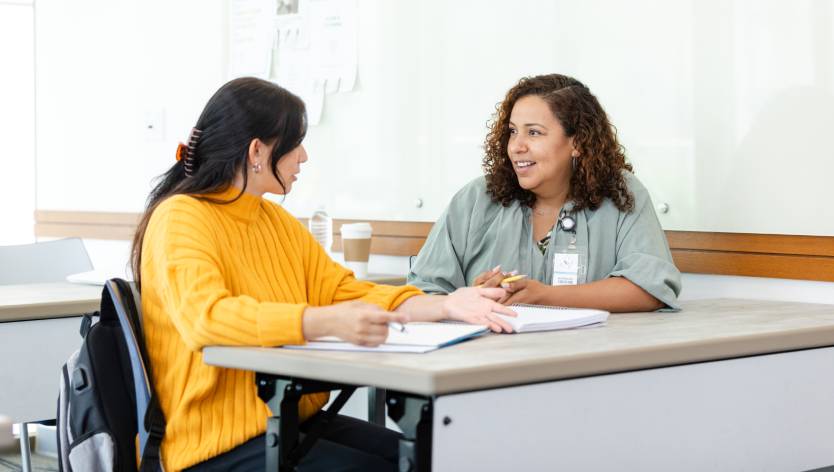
(357, 227)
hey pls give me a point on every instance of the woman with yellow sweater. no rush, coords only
(218, 264)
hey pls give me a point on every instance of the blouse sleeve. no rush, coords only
(643, 255)
(439, 268)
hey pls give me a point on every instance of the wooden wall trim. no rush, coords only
(755, 255)
(85, 224)
(752, 243)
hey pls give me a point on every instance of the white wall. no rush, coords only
(686, 89)
(107, 70)
(17, 122)
(714, 101)
(723, 106)
(701, 286)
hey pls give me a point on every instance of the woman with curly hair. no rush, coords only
(558, 203)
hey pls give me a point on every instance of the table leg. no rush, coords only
(25, 458)
(271, 391)
(414, 417)
(376, 406)
(283, 447)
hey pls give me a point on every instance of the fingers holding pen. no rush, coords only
(490, 278)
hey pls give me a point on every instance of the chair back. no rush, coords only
(127, 303)
(50, 261)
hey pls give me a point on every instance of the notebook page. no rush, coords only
(544, 318)
(418, 337)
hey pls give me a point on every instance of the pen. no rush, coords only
(397, 326)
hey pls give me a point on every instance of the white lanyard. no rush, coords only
(568, 262)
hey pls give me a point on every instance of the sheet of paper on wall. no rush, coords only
(291, 63)
(292, 24)
(333, 42)
(314, 100)
(292, 69)
(250, 37)
(314, 50)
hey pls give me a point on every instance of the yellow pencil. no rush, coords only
(513, 278)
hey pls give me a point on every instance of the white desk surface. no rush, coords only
(705, 330)
(49, 300)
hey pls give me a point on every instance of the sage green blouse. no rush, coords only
(475, 234)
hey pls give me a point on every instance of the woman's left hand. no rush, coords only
(478, 306)
(524, 291)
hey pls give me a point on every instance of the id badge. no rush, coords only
(568, 266)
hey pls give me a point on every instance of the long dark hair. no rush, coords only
(599, 169)
(240, 111)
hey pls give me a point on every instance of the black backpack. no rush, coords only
(97, 404)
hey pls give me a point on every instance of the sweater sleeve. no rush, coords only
(191, 287)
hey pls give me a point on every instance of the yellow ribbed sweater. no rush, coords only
(230, 274)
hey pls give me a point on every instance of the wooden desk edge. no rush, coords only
(546, 370)
(530, 371)
(47, 310)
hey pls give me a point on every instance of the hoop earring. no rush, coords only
(256, 168)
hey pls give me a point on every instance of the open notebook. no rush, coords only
(418, 337)
(546, 318)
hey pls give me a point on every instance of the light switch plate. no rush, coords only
(154, 125)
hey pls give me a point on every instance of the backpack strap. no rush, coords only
(318, 428)
(155, 425)
(154, 420)
(86, 323)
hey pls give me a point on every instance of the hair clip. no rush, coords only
(185, 152)
(182, 151)
(193, 137)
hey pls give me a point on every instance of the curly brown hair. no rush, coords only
(598, 171)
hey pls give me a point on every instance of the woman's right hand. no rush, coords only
(356, 322)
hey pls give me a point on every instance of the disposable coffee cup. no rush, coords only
(356, 243)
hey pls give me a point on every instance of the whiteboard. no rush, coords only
(724, 106)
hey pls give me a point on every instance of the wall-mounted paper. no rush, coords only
(250, 38)
(314, 50)
(333, 42)
(315, 102)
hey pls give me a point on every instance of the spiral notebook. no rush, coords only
(546, 318)
(418, 337)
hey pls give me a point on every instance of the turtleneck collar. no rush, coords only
(246, 207)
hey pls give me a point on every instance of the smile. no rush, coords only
(524, 164)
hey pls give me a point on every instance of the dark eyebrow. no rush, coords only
(531, 124)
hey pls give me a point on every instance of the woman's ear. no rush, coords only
(256, 150)
(573, 151)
